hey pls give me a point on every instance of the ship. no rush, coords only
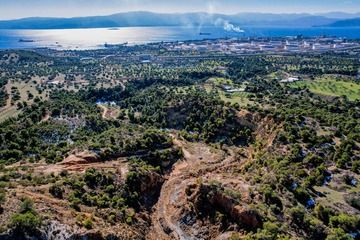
(106, 45)
(205, 33)
(26, 40)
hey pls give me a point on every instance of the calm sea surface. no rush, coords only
(96, 38)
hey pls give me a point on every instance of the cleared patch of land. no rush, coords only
(8, 113)
(23, 89)
(242, 98)
(109, 112)
(221, 81)
(331, 87)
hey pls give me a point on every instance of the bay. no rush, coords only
(96, 38)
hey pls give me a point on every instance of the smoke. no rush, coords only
(208, 19)
(228, 26)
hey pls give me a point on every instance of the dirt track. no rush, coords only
(201, 163)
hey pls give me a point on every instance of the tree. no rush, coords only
(338, 234)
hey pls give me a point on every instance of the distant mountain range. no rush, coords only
(134, 19)
(355, 22)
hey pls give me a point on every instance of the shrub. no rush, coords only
(87, 223)
(129, 220)
(301, 195)
(356, 167)
(297, 215)
(64, 173)
(75, 204)
(324, 213)
(27, 205)
(2, 200)
(314, 228)
(272, 198)
(57, 191)
(338, 234)
(346, 222)
(25, 222)
(354, 201)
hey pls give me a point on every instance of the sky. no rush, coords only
(11, 9)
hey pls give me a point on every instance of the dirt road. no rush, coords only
(200, 162)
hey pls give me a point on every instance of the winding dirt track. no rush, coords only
(200, 161)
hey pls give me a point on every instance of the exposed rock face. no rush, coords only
(246, 216)
(150, 187)
(207, 198)
(80, 158)
(92, 236)
(57, 231)
(151, 181)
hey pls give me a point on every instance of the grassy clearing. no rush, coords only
(24, 89)
(331, 87)
(332, 196)
(221, 81)
(242, 98)
(8, 113)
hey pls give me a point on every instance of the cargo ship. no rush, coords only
(205, 33)
(26, 40)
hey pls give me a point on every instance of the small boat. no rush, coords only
(205, 33)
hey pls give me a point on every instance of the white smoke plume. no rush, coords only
(228, 26)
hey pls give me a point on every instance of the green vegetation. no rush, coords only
(88, 224)
(267, 160)
(221, 81)
(240, 98)
(26, 221)
(331, 87)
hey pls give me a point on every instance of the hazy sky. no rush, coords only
(66, 8)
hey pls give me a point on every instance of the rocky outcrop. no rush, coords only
(207, 198)
(150, 186)
(80, 158)
(57, 231)
(54, 230)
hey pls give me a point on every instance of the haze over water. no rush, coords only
(96, 38)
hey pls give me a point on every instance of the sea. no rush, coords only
(97, 38)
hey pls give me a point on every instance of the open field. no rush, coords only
(221, 81)
(24, 89)
(8, 113)
(242, 98)
(331, 87)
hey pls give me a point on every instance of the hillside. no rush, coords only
(191, 145)
(355, 22)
